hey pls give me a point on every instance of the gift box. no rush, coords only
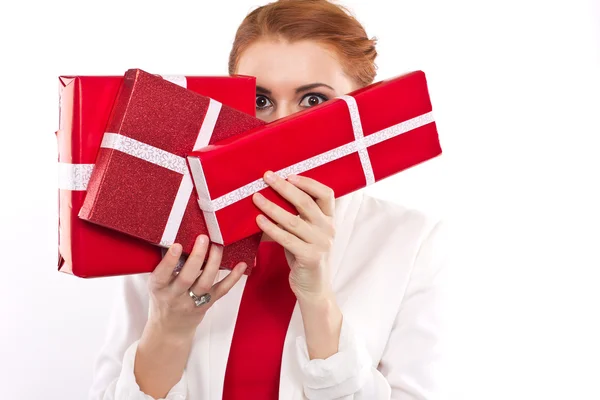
(345, 143)
(88, 250)
(141, 185)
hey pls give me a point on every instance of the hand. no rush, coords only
(172, 310)
(166, 341)
(307, 237)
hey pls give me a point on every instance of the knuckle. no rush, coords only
(329, 193)
(329, 244)
(294, 221)
(201, 289)
(216, 254)
(286, 241)
(222, 290)
(305, 203)
(154, 279)
(189, 307)
(166, 262)
(197, 257)
(269, 229)
(275, 184)
(267, 206)
(331, 229)
(186, 282)
(225, 285)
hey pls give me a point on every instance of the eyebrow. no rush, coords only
(310, 86)
(263, 90)
(304, 88)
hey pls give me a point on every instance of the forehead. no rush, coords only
(281, 64)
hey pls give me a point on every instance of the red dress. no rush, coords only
(265, 310)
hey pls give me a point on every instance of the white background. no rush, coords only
(515, 87)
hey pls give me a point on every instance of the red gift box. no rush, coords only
(346, 144)
(141, 185)
(88, 250)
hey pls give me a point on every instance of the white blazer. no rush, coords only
(386, 266)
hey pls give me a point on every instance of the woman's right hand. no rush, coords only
(167, 339)
(172, 311)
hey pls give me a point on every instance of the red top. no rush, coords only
(265, 310)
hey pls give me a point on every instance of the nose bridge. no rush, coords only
(284, 109)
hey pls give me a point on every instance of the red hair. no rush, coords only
(319, 20)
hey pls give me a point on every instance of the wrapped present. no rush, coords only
(88, 250)
(345, 143)
(141, 185)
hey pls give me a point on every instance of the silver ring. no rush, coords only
(200, 300)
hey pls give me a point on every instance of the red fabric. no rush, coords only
(267, 303)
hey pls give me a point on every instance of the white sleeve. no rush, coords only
(113, 371)
(412, 365)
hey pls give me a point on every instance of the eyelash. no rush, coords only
(319, 95)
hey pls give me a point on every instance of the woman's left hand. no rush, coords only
(307, 237)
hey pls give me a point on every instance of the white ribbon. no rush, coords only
(359, 145)
(179, 80)
(359, 139)
(212, 224)
(170, 161)
(77, 176)
(144, 152)
(74, 176)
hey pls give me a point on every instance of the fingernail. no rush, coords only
(270, 177)
(202, 239)
(261, 219)
(293, 178)
(259, 199)
(175, 249)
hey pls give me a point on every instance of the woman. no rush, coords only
(344, 301)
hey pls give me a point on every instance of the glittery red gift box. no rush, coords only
(345, 143)
(141, 185)
(89, 250)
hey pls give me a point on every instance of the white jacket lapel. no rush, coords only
(346, 210)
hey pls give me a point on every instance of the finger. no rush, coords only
(291, 223)
(305, 204)
(191, 269)
(323, 195)
(288, 240)
(207, 278)
(163, 273)
(223, 287)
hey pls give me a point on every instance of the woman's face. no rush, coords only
(292, 76)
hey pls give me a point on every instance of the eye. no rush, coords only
(263, 102)
(312, 99)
